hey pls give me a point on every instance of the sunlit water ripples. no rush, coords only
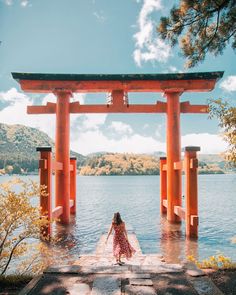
(137, 199)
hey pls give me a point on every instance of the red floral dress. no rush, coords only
(121, 247)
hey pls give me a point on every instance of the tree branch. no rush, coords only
(10, 257)
(216, 29)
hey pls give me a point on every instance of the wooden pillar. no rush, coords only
(163, 184)
(45, 175)
(191, 191)
(73, 184)
(62, 153)
(173, 155)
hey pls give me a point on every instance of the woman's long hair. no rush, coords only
(117, 219)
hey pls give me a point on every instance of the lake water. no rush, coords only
(137, 199)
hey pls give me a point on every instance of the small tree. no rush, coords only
(227, 121)
(200, 26)
(20, 221)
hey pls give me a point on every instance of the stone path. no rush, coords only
(96, 274)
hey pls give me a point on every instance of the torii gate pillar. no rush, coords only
(62, 153)
(173, 155)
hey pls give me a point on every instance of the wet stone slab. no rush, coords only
(139, 290)
(161, 268)
(192, 270)
(173, 284)
(67, 269)
(195, 273)
(106, 286)
(141, 282)
(104, 270)
(79, 289)
(204, 286)
(137, 276)
(58, 285)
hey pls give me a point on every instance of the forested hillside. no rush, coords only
(18, 155)
(120, 164)
(18, 148)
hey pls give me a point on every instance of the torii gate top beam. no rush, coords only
(177, 82)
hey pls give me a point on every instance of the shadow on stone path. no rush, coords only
(96, 274)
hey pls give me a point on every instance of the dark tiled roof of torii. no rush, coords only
(118, 77)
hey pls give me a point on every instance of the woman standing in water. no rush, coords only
(121, 245)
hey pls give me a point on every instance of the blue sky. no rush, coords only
(101, 36)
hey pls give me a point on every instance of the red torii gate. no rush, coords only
(172, 85)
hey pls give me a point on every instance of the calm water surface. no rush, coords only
(137, 199)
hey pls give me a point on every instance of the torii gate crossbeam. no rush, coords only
(171, 85)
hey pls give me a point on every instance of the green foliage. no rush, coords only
(226, 114)
(200, 26)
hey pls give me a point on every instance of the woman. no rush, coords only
(121, 245)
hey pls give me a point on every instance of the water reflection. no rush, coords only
(137, 198)
(173, 244)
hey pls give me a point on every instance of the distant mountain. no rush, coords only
(18, 147)
(211, 158)
(18, 154)
(20, 142)
(97, 154)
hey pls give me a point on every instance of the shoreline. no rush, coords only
(200, 173)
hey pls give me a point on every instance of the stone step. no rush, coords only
(141, 282)
(106, 286)
(139, 290)
(79, 289)
(204, 286)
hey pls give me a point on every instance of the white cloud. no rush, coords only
(92, 121)
(229, 84)
(94, 141)
(121, 128)
(90, 138)
(148, 46)
(209, 143)
(80, 97)
(15, 113)
(49, 98)
(12, 96)
(173, 69)
(8, 2)
(100, 16)
(23, 3)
